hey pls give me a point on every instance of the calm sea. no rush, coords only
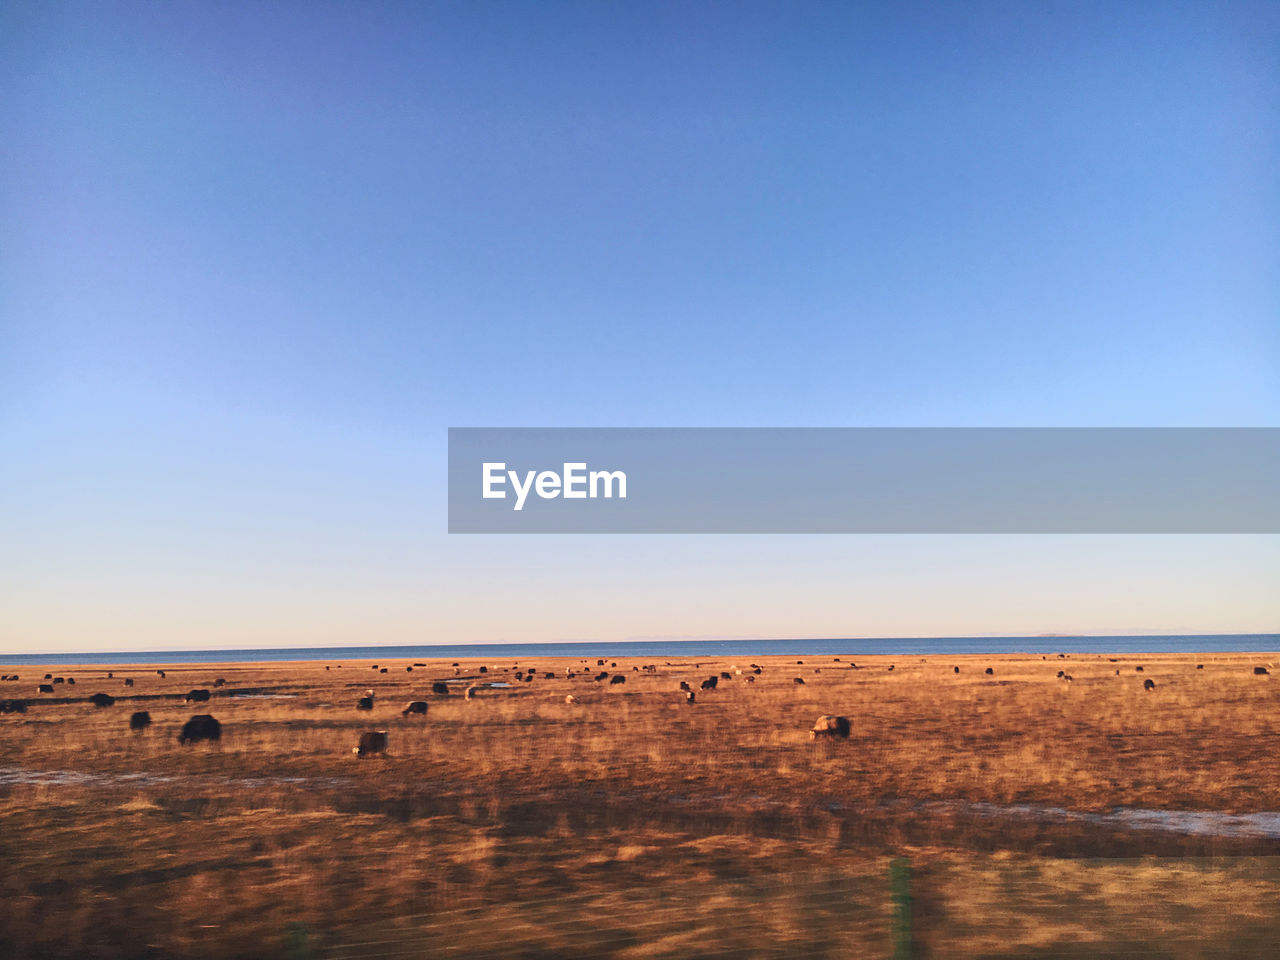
(897, 646)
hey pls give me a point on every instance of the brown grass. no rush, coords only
(634, 825)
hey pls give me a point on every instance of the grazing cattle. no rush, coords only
(529, 678)
(799, 680)
(1199, 666)
(13, 706)
(684, 685)
(440, 688)
(383, 670)
(725, 676)
(471, 692)
(326, 668)
(371, 742)
(757, 670)
(110, 675)
(414, 706)
(160, 674)
(408, 669)
(71, 681)
(570, 698)
(48, 676)
(59, 679)
(956, 669)
(1137, 669)
(128, 681)
(1117, 673)
(620, 678)
(1261, 672)
(140, 721)
(45, 688)
(989, 672)
(635, 669)
(751, 679)
(197, 696)
(1068, 677)
(484, 669)
(799, 663)
(891, 668)
(612, 664)
(1061, 674)
(548, 676)
(1148, 684)
(830, 727)
(602, 675)
(364, 703)
(220, 682)
(200, 727)
(710, 683)
(690, 697)
(599, 663)
(102, 700)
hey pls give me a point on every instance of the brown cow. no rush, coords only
(371, 742)
(830, 727)
(414, 706)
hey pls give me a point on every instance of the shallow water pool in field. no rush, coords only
(1201, 823)
(10, 776)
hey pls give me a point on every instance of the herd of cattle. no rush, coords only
(206, 728)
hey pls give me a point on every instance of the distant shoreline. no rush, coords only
(891, 646)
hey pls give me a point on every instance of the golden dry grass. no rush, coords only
(632, 824)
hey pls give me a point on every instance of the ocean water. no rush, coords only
(670, 649)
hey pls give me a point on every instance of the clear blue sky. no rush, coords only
(256, 259)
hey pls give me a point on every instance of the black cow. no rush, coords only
(529, 678)
(45, 688)
(548, 676)
(200, 727)
(414, 706)
(59, 679)
(1137, 669)
(441, 688)
(371, 742)
(830, 727)
(891, 668)
(602, 675)
(798, 680)
(599, 663)
(1061, 673)
(364, 703)
(1261, 672)
(220, 682)
(128, 682)
(684, 685)
(160, 674)
(408, 669)
(956, 669)
(48, 676)
(690, 697)
(710, 683)
(71, 681)
(140, 721)
(1199, 666)
(989, 672)
(383, 670)
(724, 675)
(484, 669)
(196, 696)
(1148, 684)
(620, 678)
(102, 700)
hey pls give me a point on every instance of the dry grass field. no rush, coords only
(967, 815)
